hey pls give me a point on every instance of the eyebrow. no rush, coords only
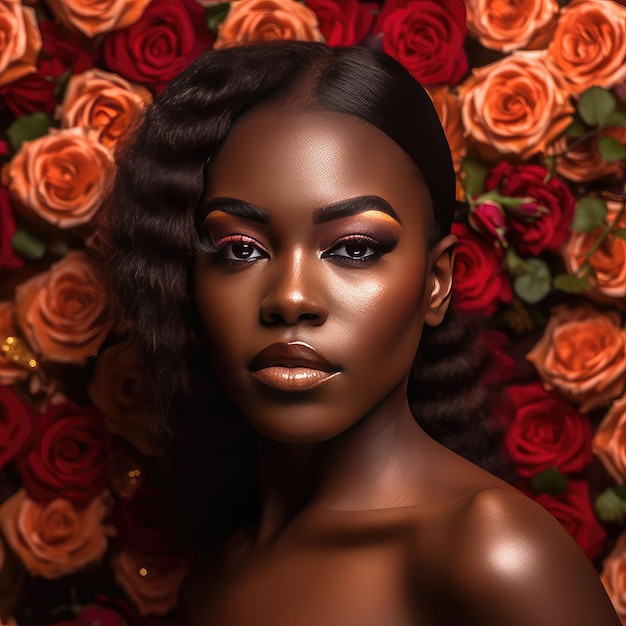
(333, 211)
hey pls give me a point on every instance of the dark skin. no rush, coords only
(322, 227)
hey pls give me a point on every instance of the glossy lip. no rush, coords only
(293, 366)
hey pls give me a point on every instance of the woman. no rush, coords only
(280, 223)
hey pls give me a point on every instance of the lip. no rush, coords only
(293, 366)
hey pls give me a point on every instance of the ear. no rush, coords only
(440, 280)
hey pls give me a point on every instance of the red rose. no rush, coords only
(546, 432)
(68, 455)
(15, 425)
(426, 37)
(488, 217)
(480, 284)
(167, 38)
(95, 614)
(343, 22)
(543, 222)
(8, 259)
(575, 513)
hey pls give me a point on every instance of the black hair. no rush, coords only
(147, 234)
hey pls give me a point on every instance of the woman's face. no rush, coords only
(314, 299)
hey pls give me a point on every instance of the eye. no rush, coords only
(354, 249)
(238, 249)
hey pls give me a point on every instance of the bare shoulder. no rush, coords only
(512, 564)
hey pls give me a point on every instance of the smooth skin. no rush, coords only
(320, 227)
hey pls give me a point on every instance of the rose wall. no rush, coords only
(532, 96)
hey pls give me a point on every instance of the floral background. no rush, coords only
(532, 95)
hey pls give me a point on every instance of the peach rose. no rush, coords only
(589, 44)
(613, 577)
(509, 26)
(584, 163)
(114, 389)
(515, 105)
(582, 354)
(61, 177)
(62, 312)
(56, 538)
(10, 373)
(608, 261)
(251, 21)
(609, 442)
(103, 101)
(151, 584)
(448, 108)
(101, 16)
(20, 41)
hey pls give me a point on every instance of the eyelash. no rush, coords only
(224, 245)
(356, 240)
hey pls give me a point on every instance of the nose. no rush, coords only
(295, 294)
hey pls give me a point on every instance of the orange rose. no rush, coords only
(102, 16)
(509, 26)
(103, 101)
(582, 354)
(584, 163)
(151, 584)
(56, 538)
(613, 577)
(609, 442)
(449, 110)
(515, 105)
(608, 261)
(251, 21)
(9, 372)
(20, 41)
(61, 177)
(61, 312)
(115, 390)
(589, 44)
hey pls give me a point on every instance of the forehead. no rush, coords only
(275, 155)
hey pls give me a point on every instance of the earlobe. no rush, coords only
(442, 264)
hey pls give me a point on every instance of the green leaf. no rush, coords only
(570, 284)
(28, 127)
(590, 214)
(575, 129)
(549, 481)
(616, 118)
(534, 283)
(619, 232)
(475, 174)
(28, 246)
(610, 507)
(611, 150)
(595, 106)
(216, 14)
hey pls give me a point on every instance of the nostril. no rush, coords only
(307, 316)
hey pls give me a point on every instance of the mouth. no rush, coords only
(293, 366)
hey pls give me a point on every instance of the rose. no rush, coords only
(62, 312)
(56, 538)
(251, 21)
(342, 22)
(514, 106)
(546, 432)
(509, 26)
(613, 576)
(114, 389)
(582, 354)
(95, 615)
(582, 162)
(543, 222)
(104, 102)
(68, 455)
(609, 442)
(151, 584)
(21, 41)
(10, 373)
(426, 37)
(8, 259)
(15, 425)
(608, 262)
(575, 513)
(589, 45)
(61, 177)
(167, 38)
(101, 17)
(488, 217)
(480, 284)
